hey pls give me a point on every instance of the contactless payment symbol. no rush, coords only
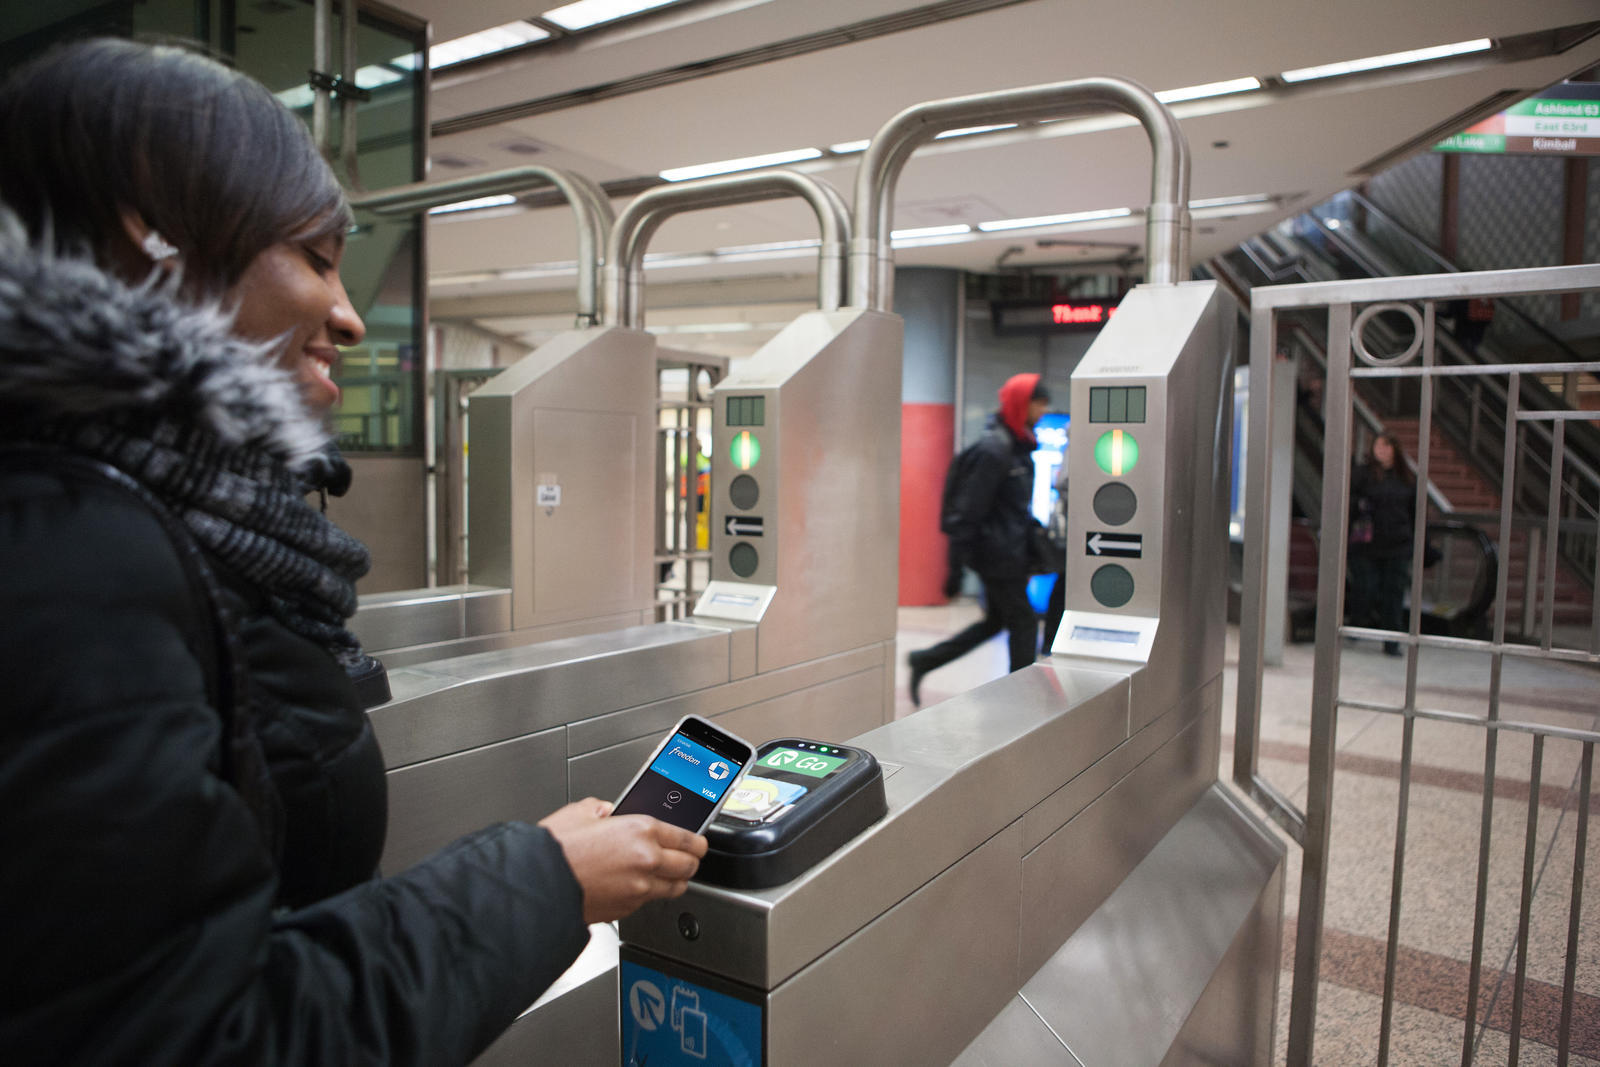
(718, 771)
(648, 1005)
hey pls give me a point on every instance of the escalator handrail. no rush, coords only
(1487, 581)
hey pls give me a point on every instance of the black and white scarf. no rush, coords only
(161, 389)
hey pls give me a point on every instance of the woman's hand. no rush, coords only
(623, 862)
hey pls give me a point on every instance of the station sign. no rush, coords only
(1564, 122)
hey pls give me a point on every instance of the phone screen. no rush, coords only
(687, 778)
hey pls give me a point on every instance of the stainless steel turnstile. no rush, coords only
(512, 732)
(1060, 879)
(562, 469)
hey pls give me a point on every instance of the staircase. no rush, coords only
(1468, 491)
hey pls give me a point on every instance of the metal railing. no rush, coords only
(1349, 307)
(1469, 406)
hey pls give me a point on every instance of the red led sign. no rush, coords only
(1027, 317)
(1080, 314)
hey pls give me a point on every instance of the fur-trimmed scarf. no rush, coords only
(161, 389)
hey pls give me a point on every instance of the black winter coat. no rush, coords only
(145, 919)
(986, 515)
(1391, 503)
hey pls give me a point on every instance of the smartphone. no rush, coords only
(686, 779)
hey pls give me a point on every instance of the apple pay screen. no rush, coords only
(682, 785)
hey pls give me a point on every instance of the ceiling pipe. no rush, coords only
(588, 200)
(321, 60)
(623, 303)
(349, 142)
(1166, 222)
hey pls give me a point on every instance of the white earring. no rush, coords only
(157, 247)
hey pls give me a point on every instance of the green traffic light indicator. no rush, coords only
(1116, 452)
(746, 451)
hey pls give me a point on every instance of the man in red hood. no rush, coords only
(985, 514)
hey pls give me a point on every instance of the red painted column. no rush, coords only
(927, 443)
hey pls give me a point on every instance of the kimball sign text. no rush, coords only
(1565, 123)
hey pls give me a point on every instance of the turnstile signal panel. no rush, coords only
(744, 475)
(1134, 387)
(686, 1018)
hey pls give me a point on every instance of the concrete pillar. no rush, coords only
(929, 300)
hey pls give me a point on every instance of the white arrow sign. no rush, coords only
(743, 527)
(1110, 545)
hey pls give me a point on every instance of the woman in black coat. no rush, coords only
(1383, 510)
(192, 811)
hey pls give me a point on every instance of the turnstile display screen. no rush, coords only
(1116, 403)
(747, 411)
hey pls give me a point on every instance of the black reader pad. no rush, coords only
(799, 801)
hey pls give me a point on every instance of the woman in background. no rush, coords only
(1382, 515)
(192, 802)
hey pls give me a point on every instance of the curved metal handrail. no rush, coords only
(588, 200)
(1166, 222)
(623, 302)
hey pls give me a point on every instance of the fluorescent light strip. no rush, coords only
(541, 270)
(374, 76)
(298, 97)
(1200, 92)
(845, 148)
(482, 43)
(930, 231)
(729, 166)
(1393, 59)
(968, 131)
(1231, 201)
(586, 13)
(1054, 220)
(475, 204)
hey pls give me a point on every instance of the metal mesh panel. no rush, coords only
(1410, 192)
(1511, 217)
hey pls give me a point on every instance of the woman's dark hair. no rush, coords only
(206, 156)
(1399, 470)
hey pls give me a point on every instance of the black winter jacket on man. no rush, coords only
(986, 516)
(147, 920)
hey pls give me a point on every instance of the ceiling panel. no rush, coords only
(1300, 148)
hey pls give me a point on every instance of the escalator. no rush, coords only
(1462, 564)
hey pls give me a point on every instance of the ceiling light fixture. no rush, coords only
(475, 204)
(1055, 220)
(845, 148)
(1200, 92)
(586, 13)
(375, 75)
(930, 231)
(473, 45)
(1393, 59)
(1231, 201)
(729, 166)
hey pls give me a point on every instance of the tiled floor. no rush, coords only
(1442, 844)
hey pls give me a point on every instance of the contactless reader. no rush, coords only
(796, 803)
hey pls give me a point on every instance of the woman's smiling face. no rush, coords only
(292, 291)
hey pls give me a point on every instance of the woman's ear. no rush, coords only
(155, 247)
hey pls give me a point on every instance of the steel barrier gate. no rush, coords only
(1351, 307)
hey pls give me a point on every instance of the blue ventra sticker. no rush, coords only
(674, 1021)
